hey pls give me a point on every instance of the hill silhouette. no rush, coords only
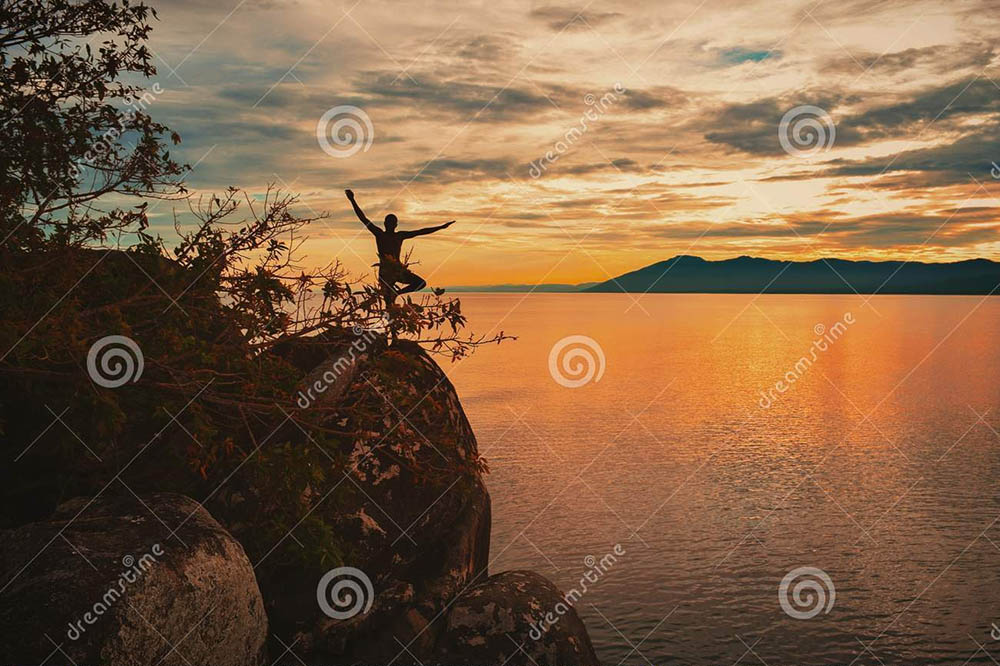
(686, 273)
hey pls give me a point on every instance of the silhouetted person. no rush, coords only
(389, 242)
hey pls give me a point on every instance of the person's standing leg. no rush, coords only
(387, 284)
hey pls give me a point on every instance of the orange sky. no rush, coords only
(662, 122)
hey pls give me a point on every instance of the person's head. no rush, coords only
(390, 222)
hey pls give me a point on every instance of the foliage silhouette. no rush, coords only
(217, 316)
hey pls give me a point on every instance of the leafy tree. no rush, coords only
(220, 318)
(65, 108)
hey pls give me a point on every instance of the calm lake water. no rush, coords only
(879, 465)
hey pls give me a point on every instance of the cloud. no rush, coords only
(486, 48)
(436, 96)
(566, 18)
(658, 97)
(911, 229)
(973, 154)
(621, 165)
(942, 58)
(444, 170)
(753, 127)
(439, 97)
(969, 97)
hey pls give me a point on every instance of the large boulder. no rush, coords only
(418, 519)
(419, 529)
(129, 580)
(517, 618)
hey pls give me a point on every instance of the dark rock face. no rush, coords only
(498, 620)
(420, 526)
(107, 582)
(418, 529)
(419, 523)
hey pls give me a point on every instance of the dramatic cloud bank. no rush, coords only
(684, 156)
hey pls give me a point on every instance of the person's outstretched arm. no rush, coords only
(429, 230)
(360, 213)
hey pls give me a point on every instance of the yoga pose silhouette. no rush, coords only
(389, 242)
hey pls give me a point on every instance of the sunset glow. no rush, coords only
(465, 97)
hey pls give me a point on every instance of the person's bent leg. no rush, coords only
(413, 283)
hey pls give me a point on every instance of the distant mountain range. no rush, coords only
(689, 274)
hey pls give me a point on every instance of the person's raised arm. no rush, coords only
(429, 230)
(360, 213)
